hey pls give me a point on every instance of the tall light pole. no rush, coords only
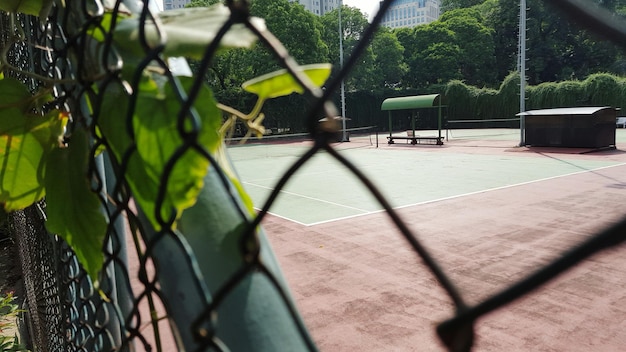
(344, 137)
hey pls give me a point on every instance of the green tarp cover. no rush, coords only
(412, 102)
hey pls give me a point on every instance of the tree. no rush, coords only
(475, 40)
(389, 62)
(431, 54)
(558, 47)
(297, 29)
(449, 5)
(353, 24)
(202, 3)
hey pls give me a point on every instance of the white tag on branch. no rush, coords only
(188, 31)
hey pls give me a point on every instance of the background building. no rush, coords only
(174, 4)
(318, 7)
(411, 13)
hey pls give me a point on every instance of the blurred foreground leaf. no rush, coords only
(280, 83)
(188, 32)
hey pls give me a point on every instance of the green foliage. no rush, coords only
(363, 75)
(476, 44)
(8, 314)
(568, 93)
(158, 139)
(26, 139)
(562, 94)
(603, 89)
(449, 5)
(389, 62)
(467, 102)
(508, 95)
(68, 194)
(432, 55)
(296, 28)
(460, 96)
(29, 7)
(163, 149)
(203, 3)
(558, 48)
(34, 165)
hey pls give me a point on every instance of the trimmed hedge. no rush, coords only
(465, 102)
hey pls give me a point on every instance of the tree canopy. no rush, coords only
(473, 41)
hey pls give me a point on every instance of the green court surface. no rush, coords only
(323, 190)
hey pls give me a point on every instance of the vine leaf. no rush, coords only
(158, 140)
(28, 7)
(13, 94)
(23, 165)
(25, 141)
(99, 31)
(39, 8)
(221, 157)
(188, 32)
(74, 211)
(280, 83)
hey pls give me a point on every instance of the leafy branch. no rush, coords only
(45, 152)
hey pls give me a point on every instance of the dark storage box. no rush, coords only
(583, 127)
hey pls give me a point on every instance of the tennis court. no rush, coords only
(490, 213)
(323, 190)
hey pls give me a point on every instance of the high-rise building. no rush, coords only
(411, 13)
(319, 7)
(174, 4)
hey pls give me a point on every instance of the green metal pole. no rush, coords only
(439, 123)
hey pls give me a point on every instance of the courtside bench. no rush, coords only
(417, 140)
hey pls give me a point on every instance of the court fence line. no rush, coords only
(66, 312)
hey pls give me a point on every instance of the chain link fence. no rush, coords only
(157, 289)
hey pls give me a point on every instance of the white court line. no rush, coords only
(467, 194)
(284, 218)
(307, 197)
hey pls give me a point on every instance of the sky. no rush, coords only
(366, 6)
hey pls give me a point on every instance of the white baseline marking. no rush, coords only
(311, 198)
(468, 194)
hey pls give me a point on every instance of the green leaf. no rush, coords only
(28, 7)
(74, 211)
(99, 31)
(157, 141)
(22, 168)
(188, 32)
(39, 8)
(221, 157)
(25, 142)
(280, 83)
(14, 94)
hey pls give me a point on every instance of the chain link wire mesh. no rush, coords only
(135, 308)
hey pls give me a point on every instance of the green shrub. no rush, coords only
(8, 315)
